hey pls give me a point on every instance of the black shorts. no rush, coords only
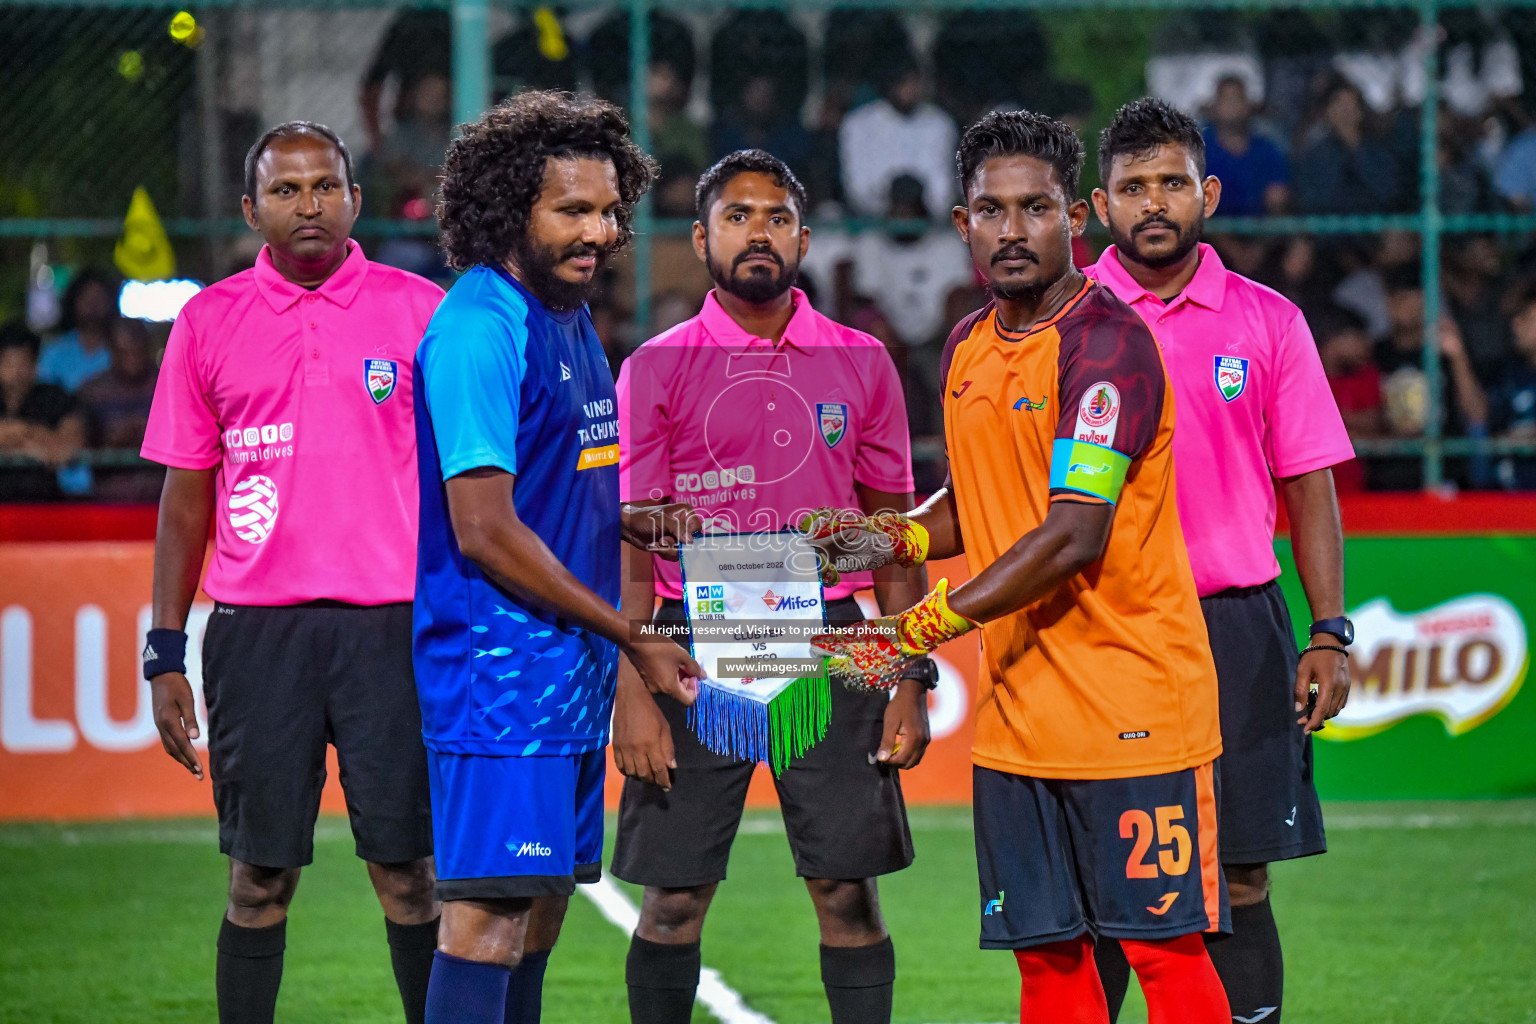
(1269, 805)
(844, 814)
(281, 683)
(1127, 858)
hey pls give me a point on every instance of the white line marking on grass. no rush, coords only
(175, 832)
(1425, 821)
(718, 997)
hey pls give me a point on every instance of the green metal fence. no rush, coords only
(186, 90)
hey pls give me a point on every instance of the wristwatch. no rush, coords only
(924, 671)
(1338, 626)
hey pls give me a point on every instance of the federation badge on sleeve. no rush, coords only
(1231, 376)
(1098, 414)
(832, 418)
(380, 376)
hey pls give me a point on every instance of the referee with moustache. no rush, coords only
(283, 413)
(1255, 411)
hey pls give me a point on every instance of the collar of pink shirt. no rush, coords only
(801, 333)
(340, 288)
(1207, 288)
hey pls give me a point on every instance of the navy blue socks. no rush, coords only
(466, 992)
(525, 989)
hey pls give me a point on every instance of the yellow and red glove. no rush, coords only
(872, 655)
(850, 541)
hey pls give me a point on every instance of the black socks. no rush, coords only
(662, 981)
(1114, 972)
(1249, 963)
(410, 953)
(525, 989)
(858, 980)
(250, 969)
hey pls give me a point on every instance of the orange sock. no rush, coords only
(1060, 984)
(1179, 981)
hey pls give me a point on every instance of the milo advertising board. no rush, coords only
(1438, 705)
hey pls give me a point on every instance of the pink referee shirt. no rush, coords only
(1252, 404)
(302, 399)
(753, 435)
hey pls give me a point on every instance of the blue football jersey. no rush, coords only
(504, 382)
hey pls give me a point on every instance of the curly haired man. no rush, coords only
(517, 636)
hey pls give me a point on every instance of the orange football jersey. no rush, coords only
(1111, 676)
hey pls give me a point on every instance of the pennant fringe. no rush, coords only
(733, 725)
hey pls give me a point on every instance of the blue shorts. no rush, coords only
(515, 827)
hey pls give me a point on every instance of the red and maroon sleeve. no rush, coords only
(1112, 382)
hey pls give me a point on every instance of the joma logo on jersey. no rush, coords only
(1231, 376)
(530, 849)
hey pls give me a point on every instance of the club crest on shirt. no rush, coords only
(832, 418)
(1231, 376)
(380, 376)
(1098, 414)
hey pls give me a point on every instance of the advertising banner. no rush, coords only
(77, 733)
(1439, 706)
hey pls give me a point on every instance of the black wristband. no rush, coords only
(1324, 647)
(165, 650)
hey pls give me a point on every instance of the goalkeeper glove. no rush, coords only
(849, 541)
(872, 655)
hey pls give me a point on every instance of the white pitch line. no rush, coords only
(718, 997)
(1350, 822)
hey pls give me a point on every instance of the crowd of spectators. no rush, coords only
(1305, 113)
(1364, 299)
(89, 387)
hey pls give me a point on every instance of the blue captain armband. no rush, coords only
(1086, 468)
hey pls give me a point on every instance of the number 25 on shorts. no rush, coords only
(1174, 844)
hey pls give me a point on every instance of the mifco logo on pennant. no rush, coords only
(1231, 376)
(380, 375)
(832, 418)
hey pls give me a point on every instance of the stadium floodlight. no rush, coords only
(156, 300)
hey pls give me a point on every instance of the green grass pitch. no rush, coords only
(1420, 913)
